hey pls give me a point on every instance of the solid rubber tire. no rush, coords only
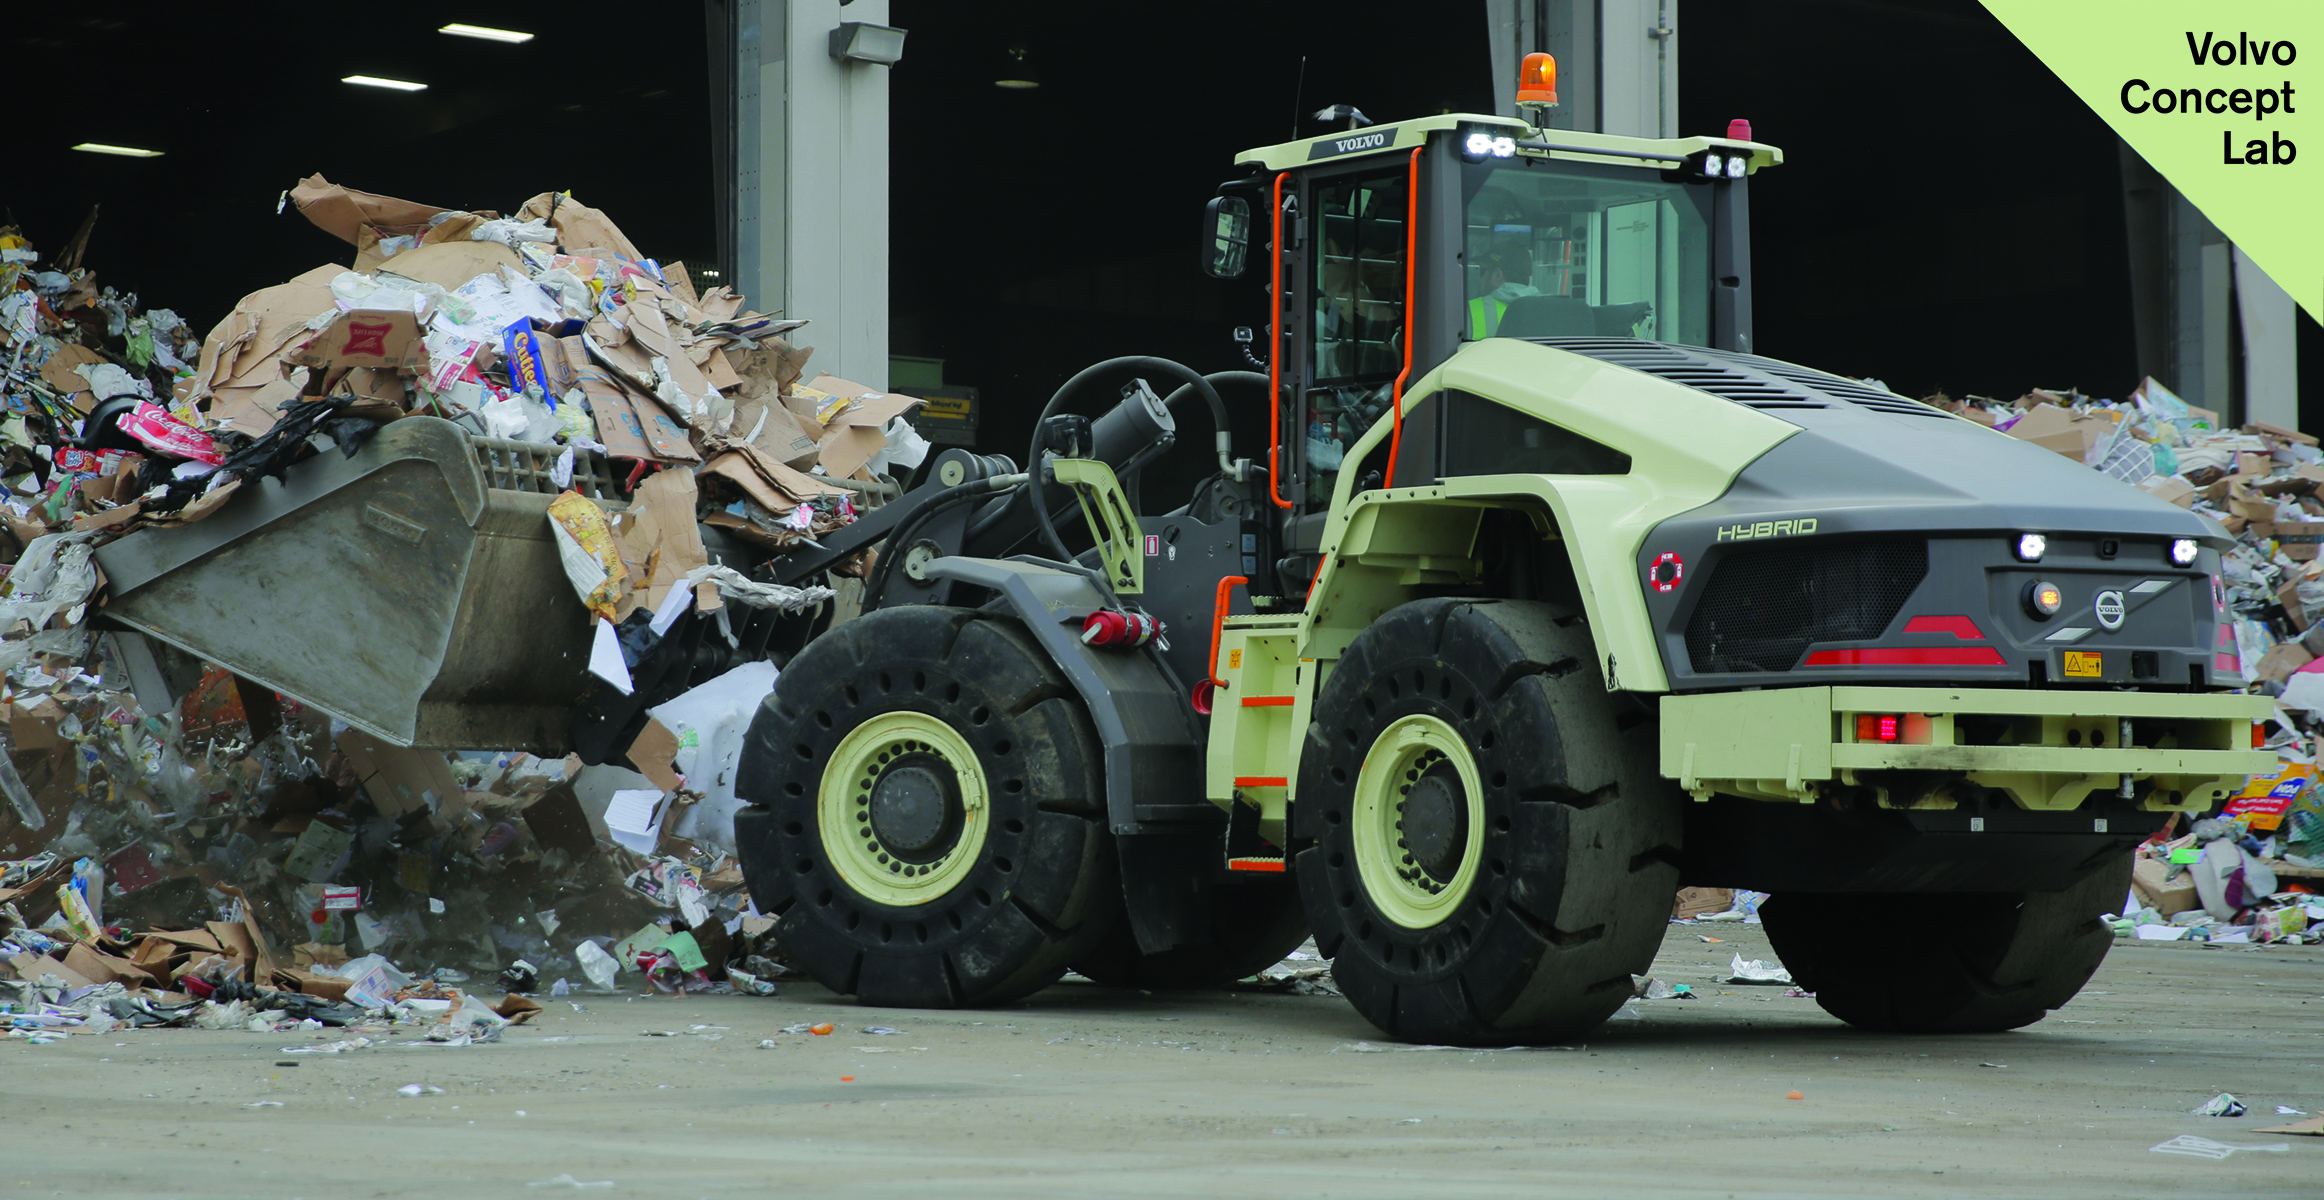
(1581, 832)
(1982, 963)
(1253, 923)
(1044, 885)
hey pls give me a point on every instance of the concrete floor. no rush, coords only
(1089, 1091)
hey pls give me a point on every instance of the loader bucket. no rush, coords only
(412, 591)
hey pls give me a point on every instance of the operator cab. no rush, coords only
(1376, 252)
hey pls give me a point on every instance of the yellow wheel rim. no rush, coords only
(1419, 822)
(903, 809)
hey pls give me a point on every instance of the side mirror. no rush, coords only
(1226, 221)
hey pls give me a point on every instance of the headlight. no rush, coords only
(1479, 144)
(2043, 599)
(2031, 547)
(2183, 552)
(1713, 166)
(1736, 165)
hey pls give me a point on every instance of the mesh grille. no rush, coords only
(1765, 604)
(1746, 379)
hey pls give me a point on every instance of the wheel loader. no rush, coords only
(1547, 595)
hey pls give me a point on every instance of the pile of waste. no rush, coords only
(2255, 872)
(163, 863)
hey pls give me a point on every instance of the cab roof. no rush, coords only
(1398, 136)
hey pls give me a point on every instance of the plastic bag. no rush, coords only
(599, 966)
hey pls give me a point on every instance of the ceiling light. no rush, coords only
(401, 85)
(485, 33)
(1017, 75)
(123, 151)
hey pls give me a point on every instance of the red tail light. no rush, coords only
(1879, 727)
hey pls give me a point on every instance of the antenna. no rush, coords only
(1297, 94)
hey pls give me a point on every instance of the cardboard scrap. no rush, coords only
(579, 227)
(343, 211)
(1696, 901)
(398, 779)
(2312, 1127)
(652, 753)
(773, 486)
(382, 340)
(660, 540)
(855, 421)
(450, 265)
(59, 373)
(241, 369)
(2061, 429)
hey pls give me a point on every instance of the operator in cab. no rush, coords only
(1507, 274)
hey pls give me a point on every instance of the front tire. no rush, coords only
(1494, 850)
(929, 826)
(1993, 962)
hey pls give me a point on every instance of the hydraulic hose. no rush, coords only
(1125, 364)
(1218, 408)
(899, 540)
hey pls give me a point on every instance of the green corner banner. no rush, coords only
(2224, 97)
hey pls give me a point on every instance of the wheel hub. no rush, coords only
(1419, 824)
(914, 804)
(902, 808)
(1435, 823)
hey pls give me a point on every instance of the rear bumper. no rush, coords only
(2047, 750)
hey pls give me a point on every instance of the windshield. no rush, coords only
(1558, 248)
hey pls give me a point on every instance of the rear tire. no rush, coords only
(1494, 850)
(1991, 962)
(1253, 923)
(928, 828)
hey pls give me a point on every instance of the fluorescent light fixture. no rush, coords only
(485, 33)
(401, 85)
(1017, 85)
(123, 151)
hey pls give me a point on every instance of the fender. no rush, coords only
(1153, 744)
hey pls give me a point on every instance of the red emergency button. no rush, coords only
(1664, 575)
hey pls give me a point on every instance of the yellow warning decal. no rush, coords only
(2084, 664)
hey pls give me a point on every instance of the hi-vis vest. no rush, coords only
(1485, 315)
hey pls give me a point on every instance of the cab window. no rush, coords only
(1358, 322)
(1558, 248)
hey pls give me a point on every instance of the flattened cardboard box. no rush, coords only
(398, 779)
(2061, 430)
(387, 340)
(854, 427)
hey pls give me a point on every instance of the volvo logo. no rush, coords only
(2109, 608)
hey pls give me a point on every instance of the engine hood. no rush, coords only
(1870, 461)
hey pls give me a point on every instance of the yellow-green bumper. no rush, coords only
(2049, 750)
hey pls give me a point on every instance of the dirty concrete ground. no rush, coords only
(1090, 1091)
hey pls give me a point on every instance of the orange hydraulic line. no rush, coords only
(1411, 262)
(1275, 363)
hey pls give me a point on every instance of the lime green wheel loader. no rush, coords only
(1547, 595)
(1550, 596)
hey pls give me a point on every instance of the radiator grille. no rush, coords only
(1764, 605)
(1746, 379)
